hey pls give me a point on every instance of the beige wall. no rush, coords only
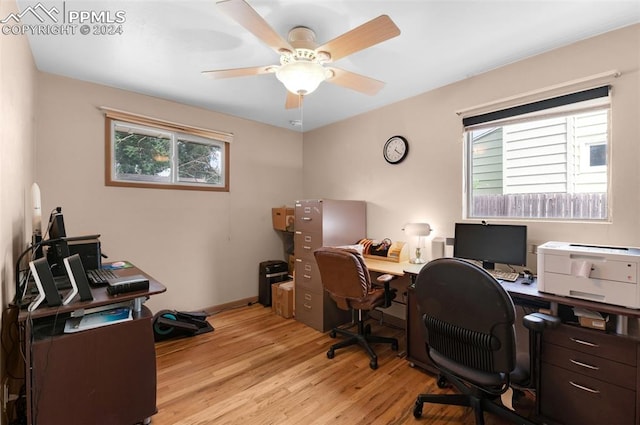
(204, 246)
(17, 138)
(428, 184)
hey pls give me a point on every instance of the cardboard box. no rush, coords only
(590, 319)
(593, 323)
(282, 299)
(282, 218)
(292, 264)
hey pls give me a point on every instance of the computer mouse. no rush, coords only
(527, 277)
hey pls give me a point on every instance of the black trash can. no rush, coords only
(270, 272)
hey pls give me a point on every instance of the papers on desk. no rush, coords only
(98, 319)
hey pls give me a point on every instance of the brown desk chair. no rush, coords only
(470, 337)
(346, 278)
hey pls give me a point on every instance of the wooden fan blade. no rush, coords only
(366, 35)
(245, 15)
(238, 72)
(293, 100)
(355, 81)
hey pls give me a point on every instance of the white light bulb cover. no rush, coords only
(302, 77)
(417, 229)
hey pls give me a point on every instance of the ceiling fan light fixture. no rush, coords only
(302, 77)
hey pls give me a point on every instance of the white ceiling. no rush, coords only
(165, 45)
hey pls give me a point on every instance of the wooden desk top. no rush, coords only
(390, 267)
(100, 296)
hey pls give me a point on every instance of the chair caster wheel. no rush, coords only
(331, 354)
(373, 364)
(394, 346)
(417, 410)
(442, 382)
(332, 334)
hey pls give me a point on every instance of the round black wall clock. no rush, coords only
(395, 149)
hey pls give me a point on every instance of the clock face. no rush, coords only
(396, 149)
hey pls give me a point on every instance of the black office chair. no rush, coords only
(346, 278)
(470, 337)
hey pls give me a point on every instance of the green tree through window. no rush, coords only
(141, 154)
(156, 157)
(199, 162)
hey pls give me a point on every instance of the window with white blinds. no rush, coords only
(542, 160)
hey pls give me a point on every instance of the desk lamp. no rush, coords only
(420, 230)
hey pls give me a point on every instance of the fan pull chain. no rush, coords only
(301, 106)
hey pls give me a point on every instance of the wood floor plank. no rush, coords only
(259, 368)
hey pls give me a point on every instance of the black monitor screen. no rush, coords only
(56, 226)
(57, 250)
(491, 243)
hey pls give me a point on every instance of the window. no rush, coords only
(545, 160)
(597, 155)
(143, 152)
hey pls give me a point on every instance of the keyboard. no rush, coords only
(99, 277)
(502, 275)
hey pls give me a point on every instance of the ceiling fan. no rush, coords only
(302, 62)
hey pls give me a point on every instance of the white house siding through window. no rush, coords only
(551, 166)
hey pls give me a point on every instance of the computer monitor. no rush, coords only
(58, 249)
(56, 224)
(491, 244)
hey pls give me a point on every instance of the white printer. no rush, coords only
(595, 273)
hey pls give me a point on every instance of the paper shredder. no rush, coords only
(270, 272)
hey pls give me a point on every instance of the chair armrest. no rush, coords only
(385, 278)
(537, 322)
(389, 293)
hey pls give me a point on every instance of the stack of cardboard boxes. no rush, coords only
(282, 298)
(282, 295)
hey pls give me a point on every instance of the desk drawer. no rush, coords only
(308, 216)
(308, 275)
(305, 243)
(573, 398)
(318, 310)
(596, 343)
(595, 367)
(309, 308)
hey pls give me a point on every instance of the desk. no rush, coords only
(388, 267)
(105, 375)
(586, 376)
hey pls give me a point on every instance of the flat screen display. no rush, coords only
(491, 243)
(56, 226)
(58, 250)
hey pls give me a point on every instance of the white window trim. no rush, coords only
(577, 108)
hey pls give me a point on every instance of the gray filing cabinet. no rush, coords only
(322, 222)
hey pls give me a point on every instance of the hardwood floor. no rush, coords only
(259, 368)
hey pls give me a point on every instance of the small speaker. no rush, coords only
(437, 248)
(78, 278)
(47, 290)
